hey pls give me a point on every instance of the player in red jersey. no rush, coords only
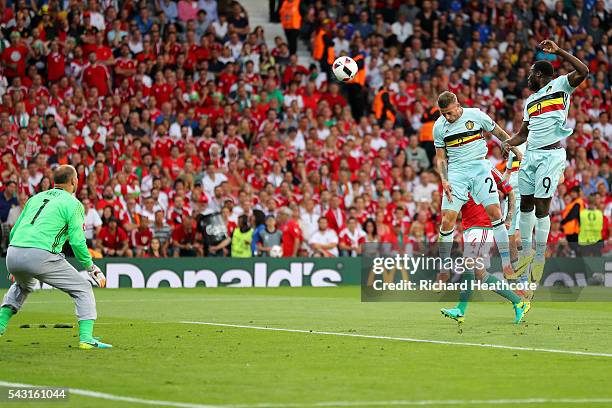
(477, 243)
(476, 225)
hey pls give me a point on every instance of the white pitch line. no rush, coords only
(111, 397)
(407, 339)
(142, 401)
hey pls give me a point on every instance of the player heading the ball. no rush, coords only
(461, 152)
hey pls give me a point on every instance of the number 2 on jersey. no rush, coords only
(45, 201)
(491, 184)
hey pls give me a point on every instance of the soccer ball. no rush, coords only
(276, 251)
(345, 69)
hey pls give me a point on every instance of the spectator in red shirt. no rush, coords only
(113, 240)
(161, 90)
(142, 237)
(96, 76)
(14, 57)
(333, 97)
(125, 66)
(185, 239)
(336, 215)
(108, 199)
(104, 55)
(56, 63)
(292, 233)
(351, 239)
(292, 69)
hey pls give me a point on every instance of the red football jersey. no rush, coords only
(475, 215)
(112, 240)
(96, 77)
(290, 230)
(142, 238)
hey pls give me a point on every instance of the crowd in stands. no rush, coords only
(178, 117)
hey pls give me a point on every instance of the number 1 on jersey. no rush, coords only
(45, 201)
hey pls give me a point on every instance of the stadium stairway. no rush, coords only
(258, 15)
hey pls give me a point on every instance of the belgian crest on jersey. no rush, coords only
(469, 125)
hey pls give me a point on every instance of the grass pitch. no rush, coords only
(155, 357)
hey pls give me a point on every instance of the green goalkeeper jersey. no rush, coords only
(47, 220)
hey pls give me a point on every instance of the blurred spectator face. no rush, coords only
(10, 189)
(310, 204)
(149, 203)
(271, 223)
(33, 169)
(601, 188)
(422, 217)
(243, 223)
(380, 185)
(271, 205)
(155, 244)
(574, 193)
(424, 177)
(322, 224)
(225, 213)
(187, 224)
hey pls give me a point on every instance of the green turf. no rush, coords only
(223, 366)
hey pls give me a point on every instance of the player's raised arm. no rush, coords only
(581, 71)
(442, 166)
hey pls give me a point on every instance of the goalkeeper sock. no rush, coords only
(508, 294)
(501, 239)
(86, 330)
(541, 237)
(526, 224)
(464, 295)
(6, 312)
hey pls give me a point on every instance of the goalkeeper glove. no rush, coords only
(96, 274)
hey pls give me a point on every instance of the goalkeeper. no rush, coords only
(35, 242)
